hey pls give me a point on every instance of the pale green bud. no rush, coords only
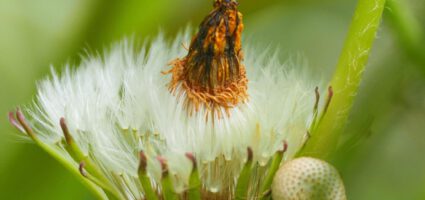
(308, 179)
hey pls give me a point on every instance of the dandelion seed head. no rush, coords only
(118, 104)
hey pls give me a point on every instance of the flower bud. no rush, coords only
(308, 178)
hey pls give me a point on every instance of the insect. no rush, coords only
(212, 75)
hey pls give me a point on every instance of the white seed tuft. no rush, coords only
(118, 104)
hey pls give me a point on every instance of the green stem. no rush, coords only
(167, 187)
(77, 153)
(149, 192)
(144, 179)
(347, 78)
(97, 191)
(194, 191)
(242, 185)
(274, 166)
(25, 127)
(166, 182)
(408, 29)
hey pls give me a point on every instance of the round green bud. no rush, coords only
(307, 179)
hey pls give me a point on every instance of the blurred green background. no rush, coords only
(385, 160)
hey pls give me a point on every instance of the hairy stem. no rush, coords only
(347, 78)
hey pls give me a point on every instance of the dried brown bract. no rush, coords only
(212, 74)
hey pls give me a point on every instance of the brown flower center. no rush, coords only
(212, 74)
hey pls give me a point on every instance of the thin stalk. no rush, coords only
(94, 179)
(75, 151)
(95, 190)
(346, 79)
(408, 29)
(22, 124)
(242, 185)
(274, 166)
(167, 186)
(194, 191)
(149, 192)
(166, 182)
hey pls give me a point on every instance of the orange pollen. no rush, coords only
(212, 75)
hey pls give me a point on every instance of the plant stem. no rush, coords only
(22, 124)
(242, 185)
(95, 190)
(409, 31)
(347, 78)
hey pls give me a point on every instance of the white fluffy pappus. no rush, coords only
(118, 104)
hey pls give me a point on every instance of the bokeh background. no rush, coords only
(382, 155)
